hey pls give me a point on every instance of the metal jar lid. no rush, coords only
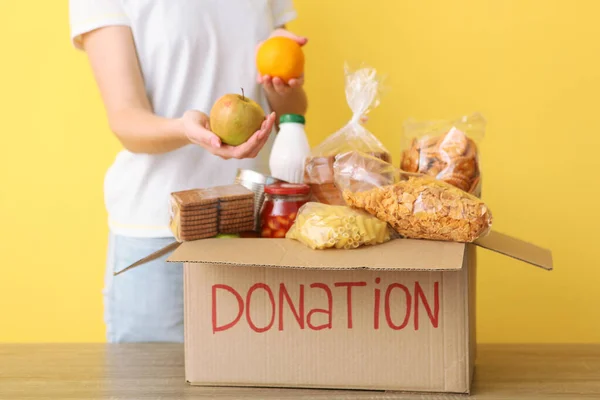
(250, 176)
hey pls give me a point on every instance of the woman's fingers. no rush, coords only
(296, 82)
(252, 146)
(196, 125)
(261, 143)
(301, 40)
(264, 134)
(197, 129)
(244, 150)
(269, 123)
(267, 82)
(255, 144)
(280, 86)
(265, 130)
(204, 138)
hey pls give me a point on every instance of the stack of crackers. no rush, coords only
(203, 213)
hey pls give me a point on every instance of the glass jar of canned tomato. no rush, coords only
(281, 205)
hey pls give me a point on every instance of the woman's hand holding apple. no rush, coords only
(196, 126)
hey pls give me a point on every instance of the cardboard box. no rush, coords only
(274, 313)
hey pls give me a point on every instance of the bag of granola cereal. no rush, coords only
(417, 206)
(446, 150)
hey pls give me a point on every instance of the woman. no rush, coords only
(159, 66)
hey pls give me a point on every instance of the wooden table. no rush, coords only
(155, 371)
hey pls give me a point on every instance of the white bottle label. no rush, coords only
(289, 152)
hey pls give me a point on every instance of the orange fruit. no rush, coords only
(280, 57)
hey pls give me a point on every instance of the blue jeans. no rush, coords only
(144, 304)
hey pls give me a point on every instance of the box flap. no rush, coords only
(400, 254)
(518, 249)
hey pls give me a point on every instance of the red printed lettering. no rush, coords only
(240, 301)
(388, 314)
(299, 314)
(349, 286)
(327, 311)
(271, 299)
(433, 316)
(377, 305)
(322, 318)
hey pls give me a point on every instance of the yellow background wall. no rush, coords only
(532, 70)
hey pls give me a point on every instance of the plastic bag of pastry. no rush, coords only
(362, 94)
(415, 205)
(357, 172)
(322, 226)
(446, 150)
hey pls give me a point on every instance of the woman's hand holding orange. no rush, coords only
(280, 62)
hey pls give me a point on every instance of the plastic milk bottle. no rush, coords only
(290, 149)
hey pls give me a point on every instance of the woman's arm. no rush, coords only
(112, 54)
(285, 98)
(113, 58)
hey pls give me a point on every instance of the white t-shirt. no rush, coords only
(191, 53)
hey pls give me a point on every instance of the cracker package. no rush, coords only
(362, 94)
(446, 150)
(415, 205)
(203, 213)
(322, 226)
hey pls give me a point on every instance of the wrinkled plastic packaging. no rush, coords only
(446, 150)
(321, 226)
(417, 206)
(362, 93)
(202, 213)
